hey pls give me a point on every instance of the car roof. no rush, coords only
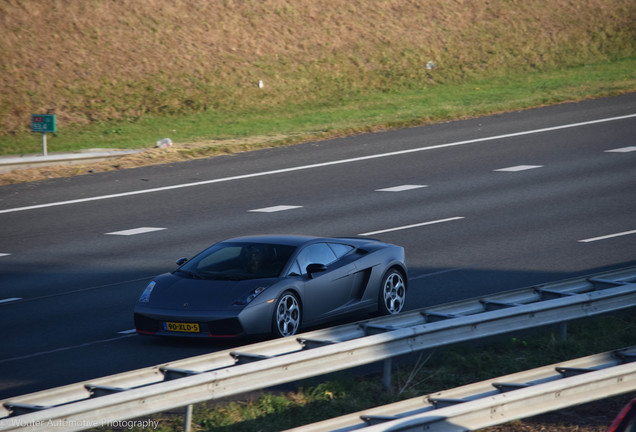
(291, 239)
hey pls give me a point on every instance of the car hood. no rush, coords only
(181, 293)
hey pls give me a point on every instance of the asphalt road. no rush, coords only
(480, 205)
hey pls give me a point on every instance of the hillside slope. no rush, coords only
(97, 60)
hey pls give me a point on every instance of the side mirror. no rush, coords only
(315, 268)
(182, 261)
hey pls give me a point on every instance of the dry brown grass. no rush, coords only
(96, 60)
(155, 156)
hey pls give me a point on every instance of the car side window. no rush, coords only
(340, 249)
(317, 253)
(295, 269)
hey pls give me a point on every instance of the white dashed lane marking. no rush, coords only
(401, 188)
(135, 231)
(622, 150)
(9, 300)
(275, 209)
(4, 254)
(412, 226)
(609, 236)
(519, 168)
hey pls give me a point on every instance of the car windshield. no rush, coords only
(238, 261)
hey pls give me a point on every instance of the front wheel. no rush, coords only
(287, 315)
(392, 293)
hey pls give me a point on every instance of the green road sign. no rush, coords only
(43, 123)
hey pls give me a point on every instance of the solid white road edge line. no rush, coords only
(318, 165)
(53, 351)
(437, 273)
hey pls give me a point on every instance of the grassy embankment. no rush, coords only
(123, 75)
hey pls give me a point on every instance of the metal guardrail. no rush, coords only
(498, 400)
(225, 373)
(8, 164)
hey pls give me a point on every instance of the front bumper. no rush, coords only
(252, 321)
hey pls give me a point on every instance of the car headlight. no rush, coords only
(251, 296)
(145, 296)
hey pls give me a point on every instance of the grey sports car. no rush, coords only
(273, 285)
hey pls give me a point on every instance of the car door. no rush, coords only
(324, 292)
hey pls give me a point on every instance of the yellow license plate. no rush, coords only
(181, 327)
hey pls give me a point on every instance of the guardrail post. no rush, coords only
(187, 419)
(563, 330)
(386, 376)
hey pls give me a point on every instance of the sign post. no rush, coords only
(43, 123)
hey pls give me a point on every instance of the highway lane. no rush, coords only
(476, 215)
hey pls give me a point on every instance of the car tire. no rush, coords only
(287, 315)
(392, 293)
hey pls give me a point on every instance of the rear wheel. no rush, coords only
(287, 315)
(392, 293)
